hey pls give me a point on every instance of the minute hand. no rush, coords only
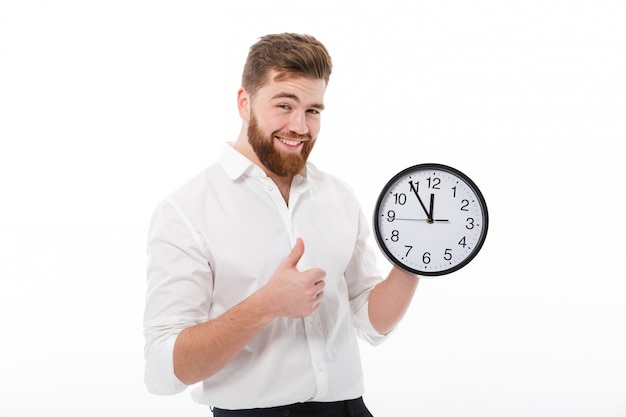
(414, 189)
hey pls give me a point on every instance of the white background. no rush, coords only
(107, 106)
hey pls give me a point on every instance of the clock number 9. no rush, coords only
(391, 216)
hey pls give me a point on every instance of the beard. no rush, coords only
(283, 164)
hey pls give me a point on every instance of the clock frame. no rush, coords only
(430, 219)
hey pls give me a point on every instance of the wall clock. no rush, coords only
(430, 219)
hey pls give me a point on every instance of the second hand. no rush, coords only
(424, 220)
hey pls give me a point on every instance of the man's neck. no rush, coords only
(284, 186)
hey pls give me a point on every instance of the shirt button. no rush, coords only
(270, 188)
(286, 412)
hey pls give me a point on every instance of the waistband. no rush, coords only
(313, 408)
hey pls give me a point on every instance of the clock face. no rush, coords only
(430, 219)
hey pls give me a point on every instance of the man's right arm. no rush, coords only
(202, 350)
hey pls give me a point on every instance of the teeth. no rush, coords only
(290, 142)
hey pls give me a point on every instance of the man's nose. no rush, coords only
(298, 123)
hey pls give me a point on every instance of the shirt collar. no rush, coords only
(236, 165)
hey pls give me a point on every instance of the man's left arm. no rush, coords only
(390, 299)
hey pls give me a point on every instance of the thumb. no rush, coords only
(296, 254)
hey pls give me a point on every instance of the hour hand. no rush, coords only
(432, 206)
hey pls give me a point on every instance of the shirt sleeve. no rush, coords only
(179, 282)
(362, 276)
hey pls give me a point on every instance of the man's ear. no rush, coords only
(243, 104)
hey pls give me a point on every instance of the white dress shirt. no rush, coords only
(218, 239)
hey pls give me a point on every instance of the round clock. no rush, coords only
(430, 219)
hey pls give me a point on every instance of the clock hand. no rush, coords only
(431, 218)
(432, 206)
(414, 189)
(424, 220)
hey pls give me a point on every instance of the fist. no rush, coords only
(293, 293)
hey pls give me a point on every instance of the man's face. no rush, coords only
(285, 121)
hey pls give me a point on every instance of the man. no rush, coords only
(259, 274)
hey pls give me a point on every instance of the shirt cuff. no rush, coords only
(159, 374)
(365, 329)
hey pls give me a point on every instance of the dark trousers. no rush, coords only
(348, 408)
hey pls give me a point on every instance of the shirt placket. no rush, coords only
(312, 323)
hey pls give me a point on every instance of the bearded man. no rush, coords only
(234, 301)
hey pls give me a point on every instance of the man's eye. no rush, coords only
(313, 111)
(284, 106)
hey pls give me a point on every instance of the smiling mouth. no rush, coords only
(289, 142)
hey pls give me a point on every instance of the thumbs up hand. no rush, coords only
(293, 293)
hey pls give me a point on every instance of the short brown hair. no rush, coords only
(290, 54)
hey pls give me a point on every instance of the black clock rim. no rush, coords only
(422, 167)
